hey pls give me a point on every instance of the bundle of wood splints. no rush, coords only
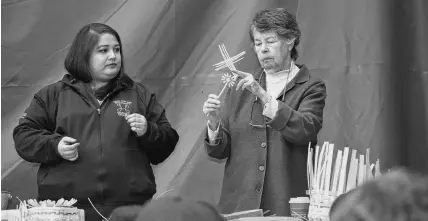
(329, 178)
(324, 175)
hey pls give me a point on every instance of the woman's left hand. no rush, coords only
(248, 82)
(138, 123)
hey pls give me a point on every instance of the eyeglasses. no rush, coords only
(251, 117)
(255, 101)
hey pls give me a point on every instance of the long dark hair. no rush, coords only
(77, 61)
(282, 22)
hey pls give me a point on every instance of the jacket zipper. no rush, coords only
(101, 140)
(101, 145)
(101, 149)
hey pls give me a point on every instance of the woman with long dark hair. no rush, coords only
(96, 131)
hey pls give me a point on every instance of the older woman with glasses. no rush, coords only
(264, 127)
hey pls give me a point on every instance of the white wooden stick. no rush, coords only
(322, 178)
(352, 172)
(163, 193)
(320, 164)
(372, 167)
(329, 168)
(361, 170)
(355, 175)
(312, 169)
(367, 173)
(97, 210)
(224, 87)
(308, 169)
(224, 57)
(343, 172)
(308, 174)
(337, 167)
(377, 170)
(227, 55)
(317, 150)
(232, 67)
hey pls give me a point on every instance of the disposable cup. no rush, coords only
(299, 207)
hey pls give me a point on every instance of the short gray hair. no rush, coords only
(279, 20)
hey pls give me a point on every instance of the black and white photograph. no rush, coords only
(214, 110)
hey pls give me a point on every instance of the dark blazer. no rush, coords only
(267, 166)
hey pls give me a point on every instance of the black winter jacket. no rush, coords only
(113, 168)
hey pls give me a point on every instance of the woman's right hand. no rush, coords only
(211, 109)
(67, 148)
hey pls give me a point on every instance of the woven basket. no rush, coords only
(320, 205)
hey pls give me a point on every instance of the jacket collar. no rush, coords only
(303, 74)
(301, 77)
(124, 81)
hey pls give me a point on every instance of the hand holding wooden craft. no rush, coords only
(211, 108)
(246, 81)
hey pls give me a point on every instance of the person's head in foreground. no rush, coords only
(168, 209)
(395, 196)
(275, 35)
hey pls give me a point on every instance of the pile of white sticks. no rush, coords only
(336, 177)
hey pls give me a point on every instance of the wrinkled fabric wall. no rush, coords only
(370, 54)
(409, 44)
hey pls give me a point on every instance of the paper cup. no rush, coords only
(299, 207)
